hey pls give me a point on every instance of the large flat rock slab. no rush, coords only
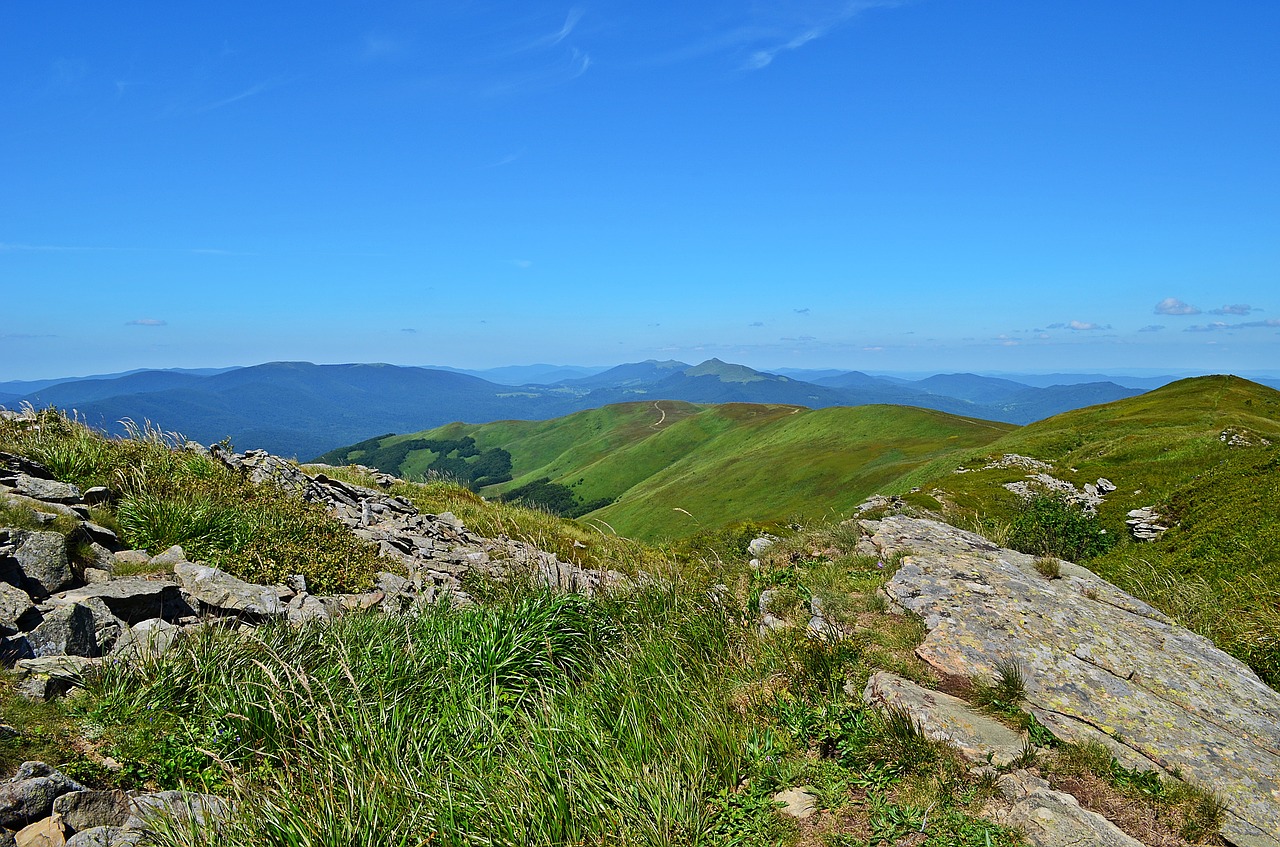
(132, 598)
(223, 592)
(940, 716)
(1103, 661)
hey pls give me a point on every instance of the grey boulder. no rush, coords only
(81, 810)
(42, 558)
(28, 797)
(66, 630)
(107, 836)
(221, 592)
(16, 609)
(1096, 662)
(133, 598)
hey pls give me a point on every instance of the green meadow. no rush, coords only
(671, 469)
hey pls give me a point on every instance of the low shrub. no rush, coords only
(1052, 525)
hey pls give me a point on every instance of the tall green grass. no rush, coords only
(544, 719)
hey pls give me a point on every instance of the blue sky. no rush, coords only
(995, 185)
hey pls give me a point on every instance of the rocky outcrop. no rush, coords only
(1237, 437)
(57, 618)
(1050, 818)
(40, 806)
(220, 592)
(1145, 525)
(28, 796)
(435, 551)
(41, 557)
(1041, 480)
(1098, 665)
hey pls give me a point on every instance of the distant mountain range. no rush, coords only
(301, 409)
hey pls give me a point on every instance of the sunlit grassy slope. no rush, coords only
(673, 468)
(1150, 446)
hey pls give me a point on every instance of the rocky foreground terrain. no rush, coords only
(1099, 665)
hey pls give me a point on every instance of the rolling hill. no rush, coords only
(668, 468)
(1149, 446)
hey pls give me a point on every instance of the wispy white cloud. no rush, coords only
(1152, 328)
(1174, 306)
(803, 311)
(146, 322)
(504, 161)
(572, 64)
(756, 323)
(1235, 309)
(570, 22)
(251, 91)
(1085, 326)
(410, 330)
(763, 56)
(1216, 326)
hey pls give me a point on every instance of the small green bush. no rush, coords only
(1052, 525)
(1049, 567)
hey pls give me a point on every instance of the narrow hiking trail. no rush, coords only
(658, 425)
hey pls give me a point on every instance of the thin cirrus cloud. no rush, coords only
(1216, 326)
(146, 322)
(1152, 328)
(1174, 306)
(251, 91)
(570, 23)
(763, 56)
(1235, 309)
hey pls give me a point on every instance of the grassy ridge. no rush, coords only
(719, 464)
(1149, 446)
(808, 464)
